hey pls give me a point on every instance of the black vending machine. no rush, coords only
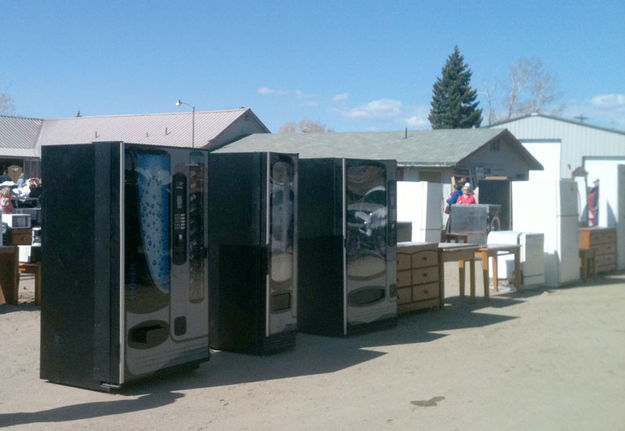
(253, 251)
(347, 246)
(125, 271)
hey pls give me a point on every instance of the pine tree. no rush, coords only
(453, 103)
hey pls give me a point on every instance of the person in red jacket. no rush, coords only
(467, 197)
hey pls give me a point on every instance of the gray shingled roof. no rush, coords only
(18, 135)
(440, 148)
(173, 129)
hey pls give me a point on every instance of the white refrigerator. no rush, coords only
(531, 255)
(550, 207)
(421, 204)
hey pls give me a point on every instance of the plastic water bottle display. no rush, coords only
(153, 185)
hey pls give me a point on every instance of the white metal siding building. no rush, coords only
(573, 141)
(562, 146)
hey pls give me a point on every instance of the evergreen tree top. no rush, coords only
(454, 103)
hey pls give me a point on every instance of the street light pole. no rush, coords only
(180, 102)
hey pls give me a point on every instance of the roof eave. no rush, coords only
(426, 165)
(247, 111)
(533, 164)
(553, 117)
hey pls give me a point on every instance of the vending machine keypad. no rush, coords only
(179, 219)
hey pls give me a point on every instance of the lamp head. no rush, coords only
(179, 102)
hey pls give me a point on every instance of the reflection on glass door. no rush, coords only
(366, 220)
(147, 231)
(197, 248)
(281, 230)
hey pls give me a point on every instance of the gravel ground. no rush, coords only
(541, 359)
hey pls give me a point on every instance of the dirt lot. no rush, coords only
(536, 360)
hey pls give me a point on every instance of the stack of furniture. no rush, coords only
(603, 241)
(418, 281)
(15, 239)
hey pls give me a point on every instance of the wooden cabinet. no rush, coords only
(20, 236)
(603, 240)
(418, 284)
(9, 275)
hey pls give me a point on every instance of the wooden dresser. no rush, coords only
(603, 240)
(418, 284)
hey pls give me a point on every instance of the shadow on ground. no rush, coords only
(312, 355)
(318, 354)
(91, 410)
(22, 306)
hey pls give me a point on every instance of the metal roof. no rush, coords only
(19, 134)
(438, 148)
(551, 117)
(172, 129)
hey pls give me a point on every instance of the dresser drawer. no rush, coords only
(425, 291)
(607, 248)
(419, 305)
(605, 260)
(404, 295)
(425, 258)
(606, 268)
(603, 236)
(403, 278)
(20, 236)
(424, 275)
(403, 261)
(596, 237)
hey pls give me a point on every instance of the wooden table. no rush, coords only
(587, 263)
(492, 251)
(456, 252)
(33, 268)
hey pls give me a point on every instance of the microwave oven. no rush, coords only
(16, 221)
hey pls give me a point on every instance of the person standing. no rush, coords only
(467, 197)
(456, 192)
(593, 204)
(5, 201)
(453, 197)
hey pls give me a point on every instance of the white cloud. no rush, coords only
(376, 110)
(609, 101)
(418, 121)
(340, 97)
(389, 111)
(266, 91)
(606, 110)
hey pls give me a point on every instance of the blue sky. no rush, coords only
(349, 65)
